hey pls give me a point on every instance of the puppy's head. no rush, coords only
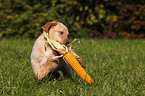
(57, 31)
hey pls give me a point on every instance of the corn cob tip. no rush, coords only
(90, 82)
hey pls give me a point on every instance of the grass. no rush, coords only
(117, 67)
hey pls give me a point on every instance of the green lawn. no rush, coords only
(117, 67)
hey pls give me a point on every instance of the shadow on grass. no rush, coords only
(53, 76)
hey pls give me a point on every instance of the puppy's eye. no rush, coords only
(61, 33)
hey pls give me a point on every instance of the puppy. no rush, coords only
(41, 55)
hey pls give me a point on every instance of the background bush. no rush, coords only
(92, 18)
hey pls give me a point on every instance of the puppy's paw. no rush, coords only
(42, 74)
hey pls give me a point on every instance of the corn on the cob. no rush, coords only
(71, 60)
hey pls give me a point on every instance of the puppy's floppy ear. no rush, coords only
(49, 24)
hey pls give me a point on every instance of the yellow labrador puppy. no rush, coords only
(42, 53)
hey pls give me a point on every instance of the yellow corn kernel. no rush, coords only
(71, 60)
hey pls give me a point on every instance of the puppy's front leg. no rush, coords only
(35, 67)
(46, 68)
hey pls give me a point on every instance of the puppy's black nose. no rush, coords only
(67, 42)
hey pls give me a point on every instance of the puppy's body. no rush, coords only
(39, 60)
(42, 53)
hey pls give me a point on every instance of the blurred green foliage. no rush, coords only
(92, 18)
